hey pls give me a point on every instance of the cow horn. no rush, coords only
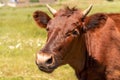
(53, 11)
(85, 12)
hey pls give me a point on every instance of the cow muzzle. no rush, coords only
(45, 62)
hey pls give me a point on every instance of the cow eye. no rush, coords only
(75, 32)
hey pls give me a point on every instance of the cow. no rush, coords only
(89, 44)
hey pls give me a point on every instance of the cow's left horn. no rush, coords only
(85, 12)
(53, 11)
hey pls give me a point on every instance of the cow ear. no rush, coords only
(41, 18)
(95, 21)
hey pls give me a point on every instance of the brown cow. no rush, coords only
(90, 45)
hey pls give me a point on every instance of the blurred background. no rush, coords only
(21, 38)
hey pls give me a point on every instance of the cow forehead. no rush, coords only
(63, 21)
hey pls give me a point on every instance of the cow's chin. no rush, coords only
(47, 70)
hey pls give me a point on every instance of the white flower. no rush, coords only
(38, 44)
(11, 47)
(18, 45)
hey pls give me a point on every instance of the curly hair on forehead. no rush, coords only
(69, 11)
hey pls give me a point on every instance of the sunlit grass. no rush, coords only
(20, 39)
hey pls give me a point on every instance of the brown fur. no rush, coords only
(104, 46)
(91, 46)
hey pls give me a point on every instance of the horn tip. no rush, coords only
(47, 5)
(53, 11)
(91, 5)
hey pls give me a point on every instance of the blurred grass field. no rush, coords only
(20, 39)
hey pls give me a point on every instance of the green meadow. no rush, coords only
(21, 38)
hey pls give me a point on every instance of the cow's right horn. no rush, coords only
(53, 11)
(85, 12)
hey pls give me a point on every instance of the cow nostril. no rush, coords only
(49, 61)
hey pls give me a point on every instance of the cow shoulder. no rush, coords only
(95, 21)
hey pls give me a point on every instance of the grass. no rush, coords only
(20, 39)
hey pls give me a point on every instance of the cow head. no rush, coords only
(64, 39)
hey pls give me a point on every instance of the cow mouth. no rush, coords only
(47, 69)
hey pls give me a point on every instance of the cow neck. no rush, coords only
(78, 62)
(90, 62)
(83, 72)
